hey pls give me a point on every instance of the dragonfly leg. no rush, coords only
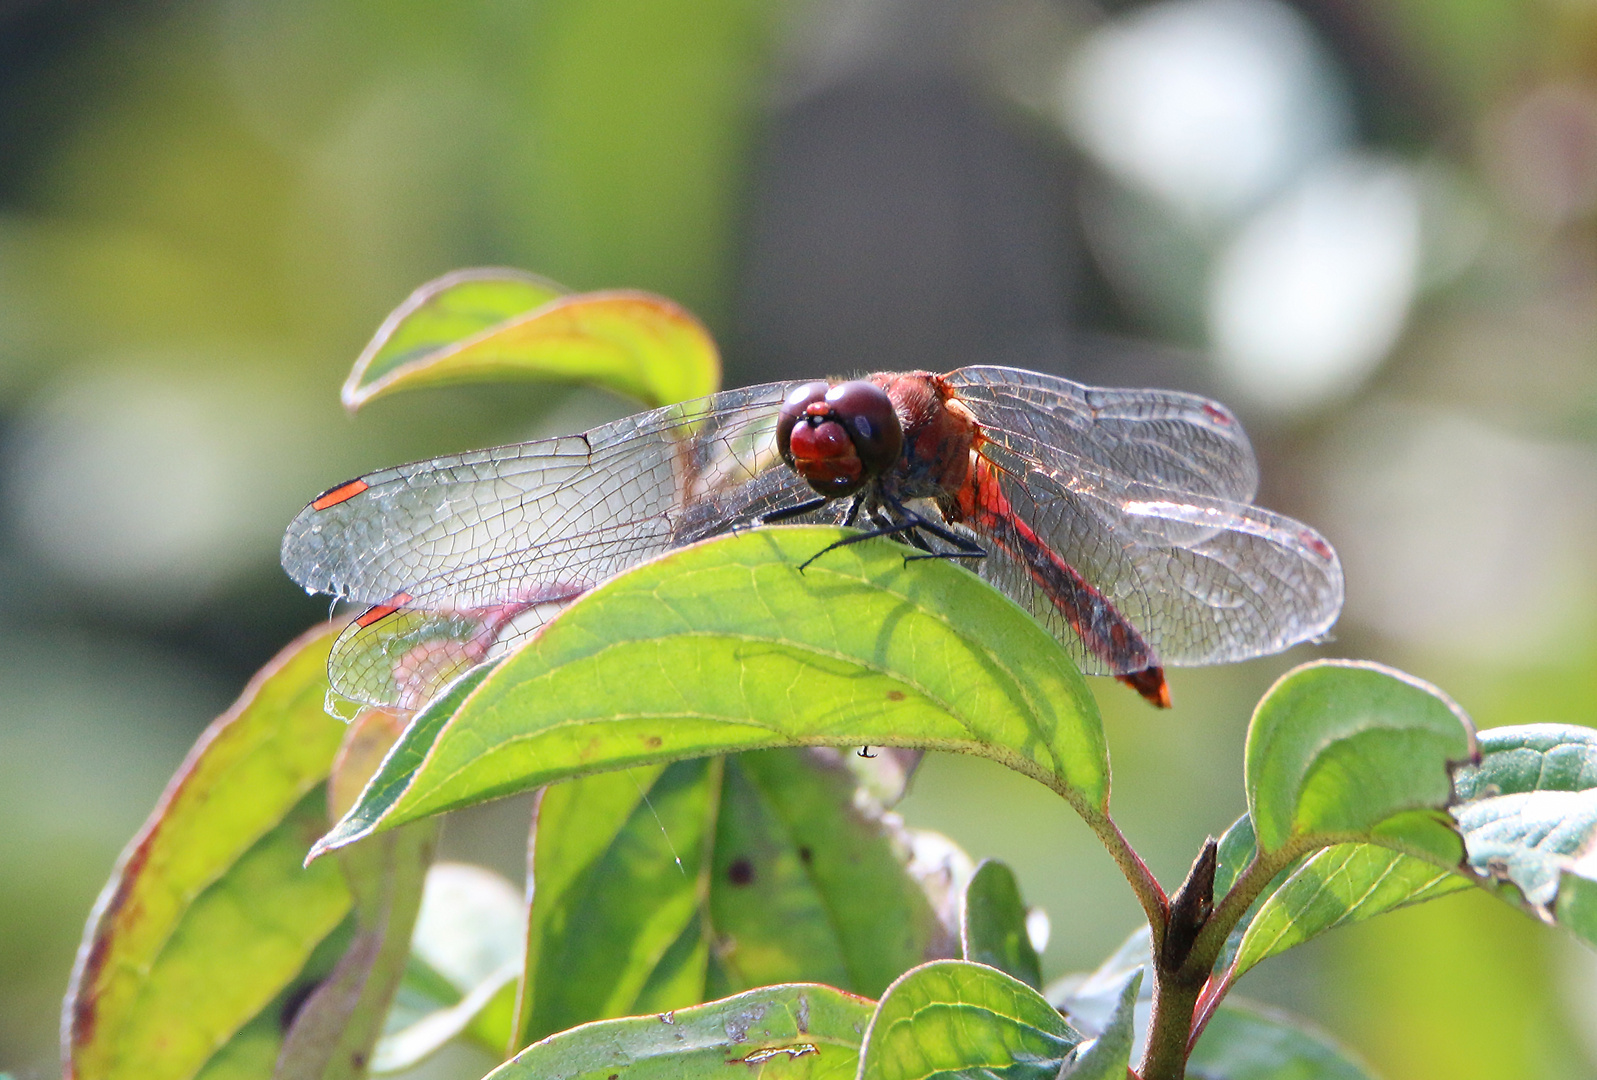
(967, 548)
(794, 511)
(890, 529)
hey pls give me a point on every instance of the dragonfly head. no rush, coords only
(839, 437)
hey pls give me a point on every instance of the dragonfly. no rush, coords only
(1123, 520)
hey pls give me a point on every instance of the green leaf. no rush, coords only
(993, 929)
(497, 324)
(779, 867)
(1525, 811)
(1109, 1055)
(797, 1032)
(1234, 852)
(460, 978)
(953, 1017)
(726, 645)
(1090, 999)
(1249, 1042)
(1338, 886)
(209, 917)
(252, 1053)
(806, 880)
(1528, 813)
(335, 1031)
(1343, 751)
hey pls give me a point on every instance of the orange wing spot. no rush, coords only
(1316, 545)
(382, 611)
(341, 493)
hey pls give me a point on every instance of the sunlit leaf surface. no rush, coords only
(209, 918)
(498, 324)
(1340, 885)
(1528, 813)
(950, 1016)
(1348, 751)
(728, 645)
(994, 925)
(658, 888)
(801, 1032)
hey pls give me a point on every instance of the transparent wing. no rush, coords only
(1204, 580)
(470, 548)
(1163, 438)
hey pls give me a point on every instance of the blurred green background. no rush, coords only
(1368, 226)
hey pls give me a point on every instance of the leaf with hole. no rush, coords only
(803, 1032)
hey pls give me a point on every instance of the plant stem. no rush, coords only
(1177, 981)
(1173, 1002)
(1136, 872)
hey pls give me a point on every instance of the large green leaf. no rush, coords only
(1528, 813)
(798, 1032)
(728, 645)
(765, 856)
(993, 927)
(209, 918)
(952, 1017)
(498, 324)
(1341, 751)
(1249, 1042)
(1337, 886)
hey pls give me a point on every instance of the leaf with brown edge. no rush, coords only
(209, 916)
(496, 324)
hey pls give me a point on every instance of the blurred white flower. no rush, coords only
(1312, 293)
(1207, 105)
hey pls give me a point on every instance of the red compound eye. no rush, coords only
(838, 437)
(794, 409)
(867, 414)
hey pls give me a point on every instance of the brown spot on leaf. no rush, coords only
(895, 695)
(740, 873)
(653, 742)
(806, 856)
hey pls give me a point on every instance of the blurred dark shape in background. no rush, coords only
(1368, 227)
(901, 218)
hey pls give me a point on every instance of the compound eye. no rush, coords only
(794, 409)
(865, 410)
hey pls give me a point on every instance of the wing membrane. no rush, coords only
(465, 545)
(1204, 580)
